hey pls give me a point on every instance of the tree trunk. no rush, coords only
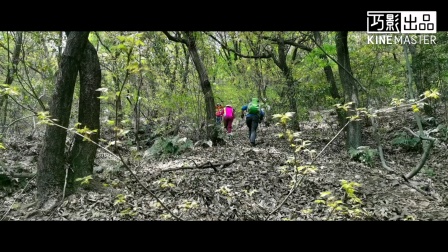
(350, 89)
(419, 73)
(290, 90)
(83, 152)
(10, 72)
(51, 170)
(212, 130)
(332, 88)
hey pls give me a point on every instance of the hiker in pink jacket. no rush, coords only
(229, 115)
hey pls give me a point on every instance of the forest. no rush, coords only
(122, 125)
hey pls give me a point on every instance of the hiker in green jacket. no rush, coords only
(254, 116)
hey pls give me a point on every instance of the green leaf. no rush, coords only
(104, 89)
(325, 194)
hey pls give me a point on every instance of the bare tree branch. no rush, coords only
(263, 56)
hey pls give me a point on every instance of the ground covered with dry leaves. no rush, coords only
(235, 181)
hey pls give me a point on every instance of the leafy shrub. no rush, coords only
(429, 171)
(442, 132)
(407, 142)
(363, 154)
(167, 146)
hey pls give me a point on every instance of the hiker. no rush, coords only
(254, 115)
(219, 113)
(228, 116)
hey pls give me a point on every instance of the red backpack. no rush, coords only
(219, 110)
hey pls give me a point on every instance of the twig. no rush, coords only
(305, 175)
(419, 136)
(378, 142)
(203, 166)
(330, 213)
(145, 188)
(286, 197)
(9, 125)
(18, 175)
(9, 209)
(418, 189)
(425, 153)
(125, 165)
(331, 141)
(339, 64)
(407, 183)
(65, 183)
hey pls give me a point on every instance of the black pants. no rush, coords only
(252, 124)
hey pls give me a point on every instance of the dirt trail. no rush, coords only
(238, 182)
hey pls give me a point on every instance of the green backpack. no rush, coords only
(253, 107)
